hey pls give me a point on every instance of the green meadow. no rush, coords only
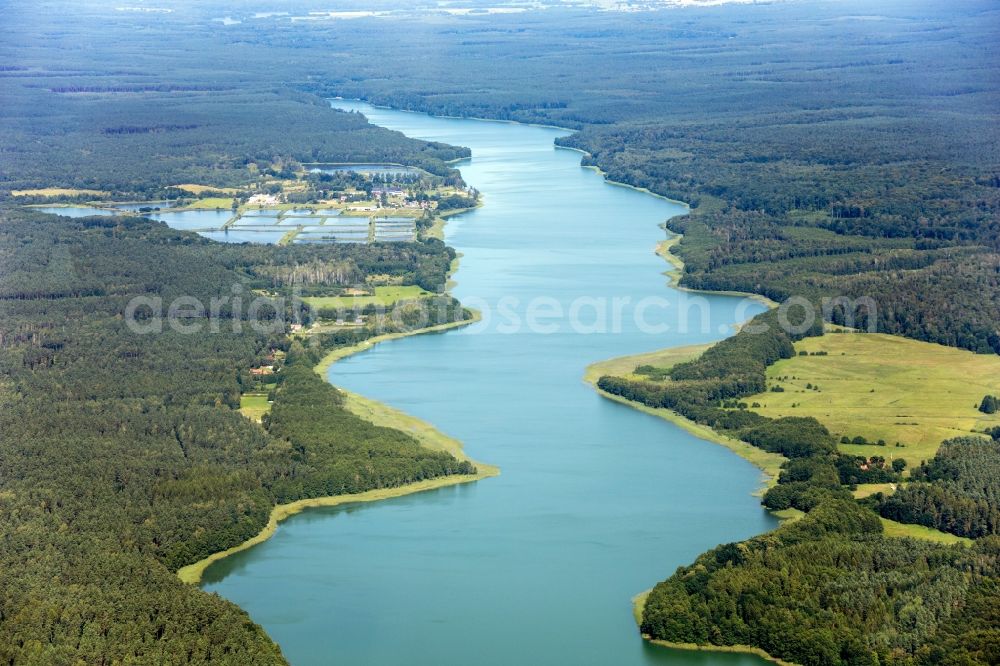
(883, 387)
(381, 296)
(254, 405)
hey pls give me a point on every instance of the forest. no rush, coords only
(874, 173)
(831, 589)
(122, 456)
(957, 491)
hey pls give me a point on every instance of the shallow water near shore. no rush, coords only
(596, 501)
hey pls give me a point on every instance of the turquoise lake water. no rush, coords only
(596, 501)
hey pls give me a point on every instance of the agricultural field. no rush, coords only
(893, 529)
(58, 192)
(198, 189)
(213, 203)
(883, 387)
(382, 296)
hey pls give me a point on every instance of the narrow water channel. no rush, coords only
(596, 501)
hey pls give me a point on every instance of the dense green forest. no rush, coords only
(957, 491)
(136, 146)
(831, 589)
(122, 455)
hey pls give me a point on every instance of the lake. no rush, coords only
(596, 501)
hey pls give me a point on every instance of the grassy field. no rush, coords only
(624, 365)
(902, 369)
(198, 189)
(58, 192)
(382, 296)
(894, 529)
(254, 405)
(867, 489)
(211, 203)
(885, 387)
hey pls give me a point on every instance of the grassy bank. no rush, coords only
(769, 463)
(343, 352)
(379, 414)
(193, 572)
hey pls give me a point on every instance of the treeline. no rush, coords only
(312, 269)
(401, 317)
(335, 452)
(923, 288)
(136, 146)
(957, 491)
(122, 455)
(831, 589)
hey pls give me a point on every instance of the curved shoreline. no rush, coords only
(434, 115)
(343, 352)
(378, 413)
(677, 271)
(768, 463)
(616, 183)
(192, 573)
(638, 606)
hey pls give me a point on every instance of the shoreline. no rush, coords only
(343, 352)
(380, 414)
(434, 115)
(676, 271)
(192, 573)
(377, 413)
(638, 606)
(618, 183)
(769, 464)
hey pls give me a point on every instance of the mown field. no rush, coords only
(386, 296)
(884, 387)
(254, 405)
